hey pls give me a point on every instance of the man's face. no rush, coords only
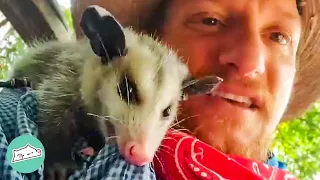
(251, 44)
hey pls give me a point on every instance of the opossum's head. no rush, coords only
(134, 80)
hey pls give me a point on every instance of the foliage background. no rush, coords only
(296, 142)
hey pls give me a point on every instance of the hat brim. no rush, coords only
(306, 90)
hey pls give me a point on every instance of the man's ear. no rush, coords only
(105, 33)
(199, 86)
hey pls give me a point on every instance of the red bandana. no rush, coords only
(184, 157)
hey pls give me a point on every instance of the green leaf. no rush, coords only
(297, 143)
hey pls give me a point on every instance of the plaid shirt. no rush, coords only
(18, 109)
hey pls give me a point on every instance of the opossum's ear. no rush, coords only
(105, 33)
(200, 86)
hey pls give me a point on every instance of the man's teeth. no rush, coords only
(240, 99)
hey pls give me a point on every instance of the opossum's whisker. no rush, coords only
(111, 137)
(112, 118)
(99, 116)
(169, 138)
(128, 94)
(119, 91)
(183, 120)
(159, 67)
(183, 129)
(95, 115)
(161, 163)
(168, 147)
(115, 71)
(63, 95)
(46, 110)
(106, 117)
(197, 128)
(166, 151)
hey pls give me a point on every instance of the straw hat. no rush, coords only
(307, 85)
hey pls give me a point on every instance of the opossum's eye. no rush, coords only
(128, 91)
(166, 112)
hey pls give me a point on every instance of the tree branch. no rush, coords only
(34, 20)
(3, 23)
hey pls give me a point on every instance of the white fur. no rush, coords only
(100, 10)
(73, 71)
(143, 123)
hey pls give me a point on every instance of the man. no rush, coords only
(252, 45)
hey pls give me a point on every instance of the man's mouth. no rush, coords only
(241, 101)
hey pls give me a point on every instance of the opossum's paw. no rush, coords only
(58, 174)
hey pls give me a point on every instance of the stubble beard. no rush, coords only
(233, 139)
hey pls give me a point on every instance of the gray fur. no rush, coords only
(70, 80)
(55, 69)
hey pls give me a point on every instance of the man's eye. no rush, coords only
(278, 38)
(210, 21)
(204, 24)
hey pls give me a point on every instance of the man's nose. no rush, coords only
(245, 56)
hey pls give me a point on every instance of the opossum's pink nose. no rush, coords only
(137, 154)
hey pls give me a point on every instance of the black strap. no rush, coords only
(16, 83)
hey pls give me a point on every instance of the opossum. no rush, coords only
(114, 75)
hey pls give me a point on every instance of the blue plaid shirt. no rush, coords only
(18, 116)
(18, 109)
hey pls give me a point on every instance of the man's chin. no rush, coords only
(230, 129)
(232, 141)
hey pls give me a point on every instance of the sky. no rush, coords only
(5, 28)
(64, 3)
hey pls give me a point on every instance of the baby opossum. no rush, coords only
(117, 76)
